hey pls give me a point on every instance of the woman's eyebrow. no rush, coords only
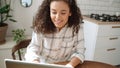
(64, 10)
(55, 10)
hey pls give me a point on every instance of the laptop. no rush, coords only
(23, 64)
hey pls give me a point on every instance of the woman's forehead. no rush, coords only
(59, 5)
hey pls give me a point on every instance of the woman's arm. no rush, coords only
(33, 49)
(78, 55)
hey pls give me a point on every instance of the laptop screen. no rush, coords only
(23, 64)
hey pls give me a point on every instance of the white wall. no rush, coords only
(24, 16)
(99, 6)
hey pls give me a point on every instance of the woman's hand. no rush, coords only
(66, 63)
(36, 61)
(62, 63)
(69, 65)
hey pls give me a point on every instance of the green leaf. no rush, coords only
(19, 35)
(9, 16)
(12, 20)
(5, 9)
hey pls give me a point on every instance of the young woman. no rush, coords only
(58, 34)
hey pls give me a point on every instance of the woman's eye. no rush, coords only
(63, 13)
(54, 13)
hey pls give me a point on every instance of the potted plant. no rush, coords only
(4, 17)
(18, 35)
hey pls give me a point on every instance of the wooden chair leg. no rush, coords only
(19, 55)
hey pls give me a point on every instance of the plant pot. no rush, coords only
(3, 30)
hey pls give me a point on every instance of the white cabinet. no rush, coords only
(5, 51)
(102, 42)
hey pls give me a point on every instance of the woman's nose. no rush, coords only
(58, 16)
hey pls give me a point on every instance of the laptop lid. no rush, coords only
(23, 64)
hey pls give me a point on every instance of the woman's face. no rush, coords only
(59, 13)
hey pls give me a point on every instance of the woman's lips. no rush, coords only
(58, 22)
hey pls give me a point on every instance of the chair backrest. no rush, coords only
(18, 47)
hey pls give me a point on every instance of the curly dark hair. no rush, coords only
(42, 21)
